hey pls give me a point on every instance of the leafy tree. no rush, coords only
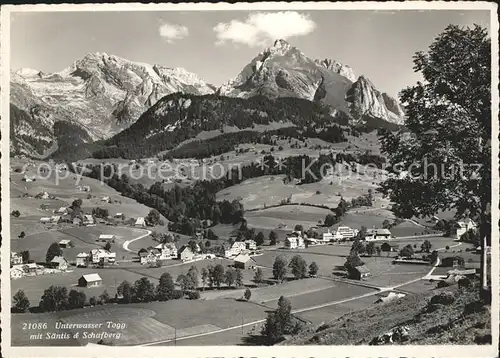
(426, 246)
(298, 266)
(92, 300)
(193, 245)
(258, 276)
(207, 244)
(272, 331)
(144, 290)
(153, 218)
(54, 298)
(259, 239)
(313, 269)
(353, 260)
(194, 295)
(22, 234)
(370, 248)
(204, 277)
(330, 220)
(217, 275)
(25, 254)
(280, 268)
(104, 297)
(299, 227)
(386, 224)
(449, 124)
(107, 246)
(239, 278)
(125, 290)
(165, 288)
(76, 299)
(193, 278)
(229, 277)
(247, 294)
(76, 205)
(273, 238)
(184, 282)
(21, 302)
(53, 251)
(407, 251)
(15, 213)
(100, 213)
(385, 247)
(357, 247)
(284, 313)
(378, 249)
(434, 256)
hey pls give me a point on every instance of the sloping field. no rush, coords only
(290, 215)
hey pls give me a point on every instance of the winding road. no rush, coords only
(128, 242)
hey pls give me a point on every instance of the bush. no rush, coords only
(194, 295)
(16, 213)
(177, 294)
(444, 298)
(22, 234)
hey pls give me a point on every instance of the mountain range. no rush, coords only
(103, 95)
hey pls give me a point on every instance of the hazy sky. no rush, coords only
(217, 45)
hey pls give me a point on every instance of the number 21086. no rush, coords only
(36, 325)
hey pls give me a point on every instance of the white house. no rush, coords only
(237, 248)
(88, 220)
(461, 227)
(345, 233)
(101, 255)
(377, 234)
(16, 271)
(168, 250)
(82, 259)
(15, 258)
(140, 222)
(250, 245)
(65, 243)
(56, 219)
(328, 236)
(45, 220)
(59, 263)
(294, 241)
(90, 280)
(106, 199)
(119, 216)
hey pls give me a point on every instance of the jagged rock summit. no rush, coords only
(100, 94)
(284, 71)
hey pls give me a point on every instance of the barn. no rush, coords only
(90, 280)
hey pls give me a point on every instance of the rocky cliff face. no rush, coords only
(284, 71)
(102, 94)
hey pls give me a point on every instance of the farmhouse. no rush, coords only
(377, 234)
(90, 280)
(452, 261)
(106, 237)
(243, 261)
(358, 273)
(16, 271)
(328, 236)
(63, 244)
(82, 259)
(461, 227)
(86, 188)
(345, 233)
(45, 220)
(472, 265)
(56, 219)
(488, 250)
(59, 263)
(43, 196)
(185, 253)
(119, 216)
(250, 245)
(140, 222)
(15, 258)
(77, 221)
(168, 250)
(237, 248)
(461, 273)
(102, 256)
(88, 220)
(106, 199)
(294, 241)
(30, 268)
